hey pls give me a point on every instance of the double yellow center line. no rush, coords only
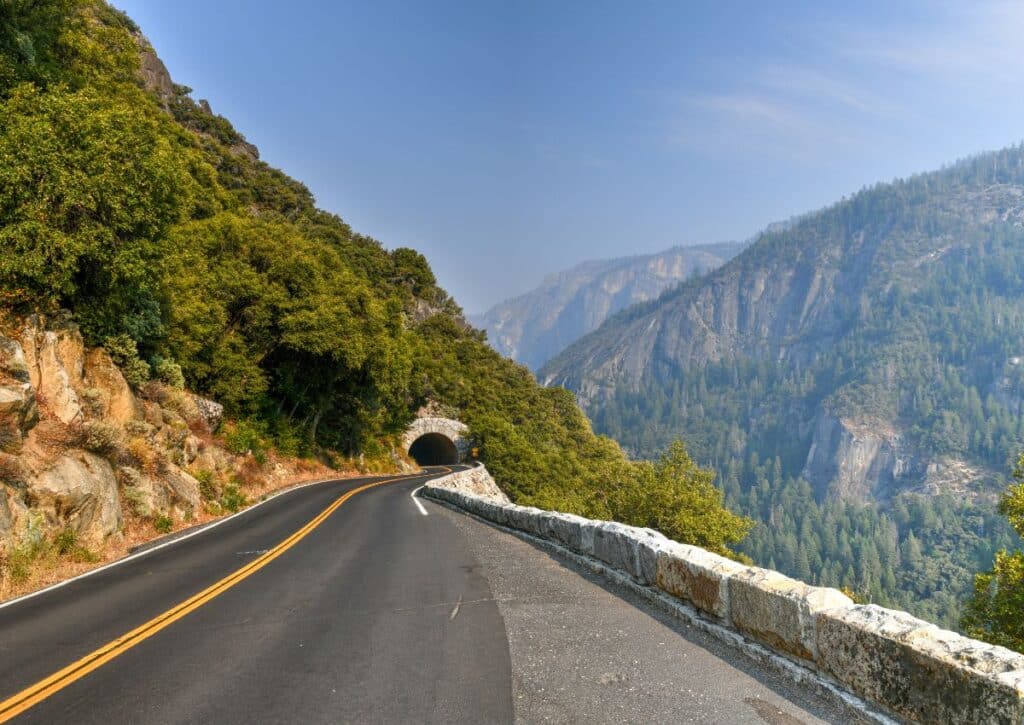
(19, 703)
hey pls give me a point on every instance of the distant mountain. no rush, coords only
(874, 346)
(868, 354)
(535, 326)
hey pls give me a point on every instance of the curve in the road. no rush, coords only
(32, 695)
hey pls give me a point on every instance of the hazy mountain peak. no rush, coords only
(533, 327)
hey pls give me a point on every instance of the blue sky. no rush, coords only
(508, 140)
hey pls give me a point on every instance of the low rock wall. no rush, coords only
(476, 481)
(906, 666)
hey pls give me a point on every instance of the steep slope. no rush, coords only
(535, 326)
(874, 346)
(856, 380)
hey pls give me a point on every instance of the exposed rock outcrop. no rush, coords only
(871, 461)
(211, 411)
(78, 444)
(78, 490)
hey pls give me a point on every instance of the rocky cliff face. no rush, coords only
(81, 451)
(534, 327)
(874, 345)
(78, 441)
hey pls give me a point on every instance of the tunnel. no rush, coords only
(433, 449)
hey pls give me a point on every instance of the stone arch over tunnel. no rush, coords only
(436, 441)
(434, 449)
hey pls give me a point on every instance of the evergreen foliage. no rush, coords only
(917, 328)
(193, 261)
(995, 612)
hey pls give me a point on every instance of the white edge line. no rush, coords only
(417, 501)
(179, 539)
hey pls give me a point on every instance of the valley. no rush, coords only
(862, 364)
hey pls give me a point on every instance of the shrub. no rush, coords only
(181, 403)
(19, 561)
(207, 486)
(139, 428)
(101, 437)
(94, 401)
(66, 544)
(244, 437)
(168, 372)
(66, 541)
(125, 352)
(163, 524)
(233, 499)
(134, 497)
(142, 455)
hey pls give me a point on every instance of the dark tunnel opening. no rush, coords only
(433, 449)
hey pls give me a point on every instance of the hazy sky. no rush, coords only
(506, 140)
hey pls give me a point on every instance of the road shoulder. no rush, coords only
(586, 650)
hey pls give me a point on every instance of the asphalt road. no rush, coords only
(377, 613)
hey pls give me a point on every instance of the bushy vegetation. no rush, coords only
(994, 612)
(194, 262)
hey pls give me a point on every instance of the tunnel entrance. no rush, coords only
(433, 449)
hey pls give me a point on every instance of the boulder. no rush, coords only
(55, 360)
(18, 414)
(80, 491)
(190, 449)
(918, 671)
(779, 611)
(119, 402)
(172, 492)
(13, 364)
(698, 577)
(210, 411)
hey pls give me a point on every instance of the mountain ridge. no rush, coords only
(537, 324)
(855, 380)
(791, 295)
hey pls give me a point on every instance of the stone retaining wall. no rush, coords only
(906, 666)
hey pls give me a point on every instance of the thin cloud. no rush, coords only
(812, 84)
(748, 107)
(961, 43)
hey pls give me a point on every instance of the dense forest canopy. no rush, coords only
(155, 223)
(899, 312)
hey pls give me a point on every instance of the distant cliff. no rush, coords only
(537, 325)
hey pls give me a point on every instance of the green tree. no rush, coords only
(995, 613)
(90, 184)
(677, 497)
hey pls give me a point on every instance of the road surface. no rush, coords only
(351, 601)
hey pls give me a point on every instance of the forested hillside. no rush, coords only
(535, 326)
(150, 218)
(835, 370)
